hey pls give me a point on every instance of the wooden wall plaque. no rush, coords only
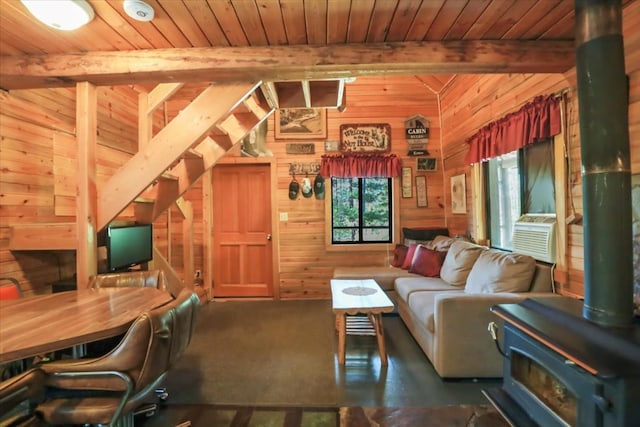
(365, 138)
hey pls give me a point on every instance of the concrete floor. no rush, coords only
(284, 353)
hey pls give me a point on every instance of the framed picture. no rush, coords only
(426, 164)
(407, 192)
(458, 195)
(421, 191)
(301, 123)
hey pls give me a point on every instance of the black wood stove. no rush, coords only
(563, 370)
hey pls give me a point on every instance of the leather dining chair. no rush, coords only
(110, 388)
(143, 278)
(9, 290)
(18, 397)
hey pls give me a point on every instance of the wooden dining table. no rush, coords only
(42, 324)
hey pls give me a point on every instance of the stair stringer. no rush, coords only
(215, 104)
(153, 202)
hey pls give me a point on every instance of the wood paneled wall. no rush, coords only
(38, 168)
(305, 265)
(472, 101)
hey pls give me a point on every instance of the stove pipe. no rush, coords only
(606, 166)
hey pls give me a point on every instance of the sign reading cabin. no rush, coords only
(365, 138)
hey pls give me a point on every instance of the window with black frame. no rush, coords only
(518, 182)
(361, 210)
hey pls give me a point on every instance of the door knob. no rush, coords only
(269, 236)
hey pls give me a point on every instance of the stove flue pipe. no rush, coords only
(606, 166)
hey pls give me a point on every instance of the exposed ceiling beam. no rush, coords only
(279, 63)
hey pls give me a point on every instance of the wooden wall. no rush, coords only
(472, 101)
(37, 169)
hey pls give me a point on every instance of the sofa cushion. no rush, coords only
(399, 255)
(422, 306)
(458, 262)
(406, 285)
(499, 271)
(383, 275)
(442, 243)
(427, 262)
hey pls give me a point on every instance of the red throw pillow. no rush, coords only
(427, 262)
(407, 260)
(399, 254)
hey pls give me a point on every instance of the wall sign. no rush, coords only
(416, 132)
(365, 138)
(300, 148)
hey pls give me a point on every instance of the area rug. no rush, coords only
(242, 416)
(274, 416)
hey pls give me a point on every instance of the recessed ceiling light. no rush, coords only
(138, 10)
(61, 14)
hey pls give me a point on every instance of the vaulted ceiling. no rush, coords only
(287, 40)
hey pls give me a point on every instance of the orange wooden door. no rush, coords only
(242, 249)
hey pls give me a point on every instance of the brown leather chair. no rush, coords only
(109, 388)
(18, 397)
(10, 290)
(143, 278)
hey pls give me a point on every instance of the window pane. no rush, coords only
(504, 199)
(345, 202)
(539, 186)
(361, 210)
(376, 234)
(376, 202)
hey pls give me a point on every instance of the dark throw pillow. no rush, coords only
(424, 233)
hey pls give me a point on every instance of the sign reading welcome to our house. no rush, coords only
(365, 138)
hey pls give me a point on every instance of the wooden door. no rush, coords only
(242, 249)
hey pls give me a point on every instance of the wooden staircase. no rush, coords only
(167, 165)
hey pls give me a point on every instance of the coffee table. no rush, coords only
(352, 297)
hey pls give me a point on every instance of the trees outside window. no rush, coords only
(361, 210)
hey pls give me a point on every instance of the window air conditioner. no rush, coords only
(535, 235)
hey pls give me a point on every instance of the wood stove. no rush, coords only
(563, 370)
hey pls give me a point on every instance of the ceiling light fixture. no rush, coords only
(138, 10)
(61, 14)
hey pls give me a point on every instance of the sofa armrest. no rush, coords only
(463, 346)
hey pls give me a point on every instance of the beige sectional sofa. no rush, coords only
(448, 315)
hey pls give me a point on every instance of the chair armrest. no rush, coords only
(82, 381)
(56, 369)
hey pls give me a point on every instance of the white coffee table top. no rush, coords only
(359, 296)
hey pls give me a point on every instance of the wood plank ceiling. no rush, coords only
(288, 40)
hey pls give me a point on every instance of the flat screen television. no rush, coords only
(129, 245)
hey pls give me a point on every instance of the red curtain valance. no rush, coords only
(537, 120)
(361, 166)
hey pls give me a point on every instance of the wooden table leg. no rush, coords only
(342, 329)
(376, 320)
